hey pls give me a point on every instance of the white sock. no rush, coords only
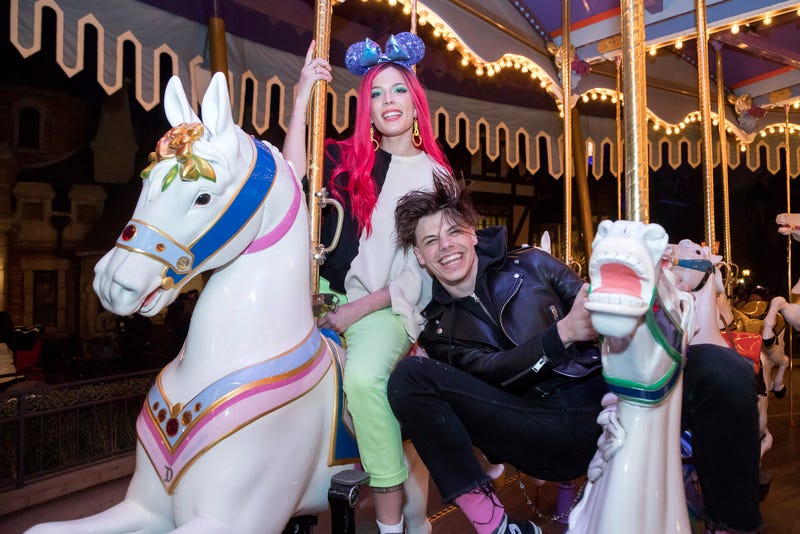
(390, 529)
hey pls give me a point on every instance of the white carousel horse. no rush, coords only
(235, 435)
(699, 266)
(635, 481)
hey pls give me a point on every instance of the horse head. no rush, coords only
(629, 289)
(197, 208)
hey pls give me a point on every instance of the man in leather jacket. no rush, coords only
(513, 368)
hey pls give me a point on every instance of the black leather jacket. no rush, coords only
(501, 336)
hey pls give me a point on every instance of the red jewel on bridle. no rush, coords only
(128, 232)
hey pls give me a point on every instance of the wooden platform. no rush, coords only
(780, 510)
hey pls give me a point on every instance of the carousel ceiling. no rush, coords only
(479, 51)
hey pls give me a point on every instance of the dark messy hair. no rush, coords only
(449, 195)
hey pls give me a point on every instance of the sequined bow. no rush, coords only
(404, 49)
(372, 54)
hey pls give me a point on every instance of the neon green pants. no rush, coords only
(374, 345)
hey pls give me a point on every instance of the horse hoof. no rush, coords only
(780, 393)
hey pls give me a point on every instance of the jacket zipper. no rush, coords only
(480, 303)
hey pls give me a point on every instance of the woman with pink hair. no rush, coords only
(391, 152)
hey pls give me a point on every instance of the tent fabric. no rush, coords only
(498, 130)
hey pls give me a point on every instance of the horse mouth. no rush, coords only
(149, 301)
(620, 287)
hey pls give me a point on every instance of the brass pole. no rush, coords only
(582, 181)
(637, 183)
(618, 62)
(414, 18)
(217, 49)
(789, 336)
(566, 88)
(317, 117)
(704, 92)
(723, 153)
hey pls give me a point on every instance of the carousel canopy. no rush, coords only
(494, 84)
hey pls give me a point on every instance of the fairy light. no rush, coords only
(796, 104)
(392, 3)
(594, 96)
(451, 45)
(763, 133)
(735, 29)
(743, 148)
(669, 130)
(768, 20)
(653, 50)
(656, 127)
(464, 61)
(679, 44)
(585, 97)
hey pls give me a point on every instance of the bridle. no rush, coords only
(180, 260)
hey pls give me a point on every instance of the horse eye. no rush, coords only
(202, 199)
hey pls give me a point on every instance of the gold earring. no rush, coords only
(416, 138)
(372, 137)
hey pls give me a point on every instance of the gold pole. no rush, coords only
(414, 18)
(786, 140)
(566, 88)
(317, 114)
(618, 62)
(723, 152)
(582, 181)
(217, 49)
(637, 183)
(705, 115)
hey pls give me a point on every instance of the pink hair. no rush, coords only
(358, 151)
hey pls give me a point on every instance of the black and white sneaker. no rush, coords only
(523, 527)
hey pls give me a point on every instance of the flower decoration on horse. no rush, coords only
(178, 143)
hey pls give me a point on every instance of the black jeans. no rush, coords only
(445, 411)
(550, 435)
(720, 408)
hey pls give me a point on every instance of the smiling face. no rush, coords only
(447, 250)
(391, 106)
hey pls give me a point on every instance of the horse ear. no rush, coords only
(176, 105)
(217, 116)
(545, 244)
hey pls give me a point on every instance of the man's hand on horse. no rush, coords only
(577, 325)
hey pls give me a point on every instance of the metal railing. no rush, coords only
(54, 428)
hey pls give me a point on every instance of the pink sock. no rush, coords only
(483, 509)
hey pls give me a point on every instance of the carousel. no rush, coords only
(624, 93)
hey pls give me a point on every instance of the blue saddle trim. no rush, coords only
(344, 449)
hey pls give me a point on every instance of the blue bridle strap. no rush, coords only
(181, 260)
(238, 213)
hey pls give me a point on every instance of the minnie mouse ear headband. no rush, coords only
(405, 49)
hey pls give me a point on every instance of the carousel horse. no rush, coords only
(718, 323)
(645, 323)
(236, 434)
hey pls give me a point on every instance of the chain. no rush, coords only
(541, 515)
(528, 500)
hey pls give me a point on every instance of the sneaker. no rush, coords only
(524, 527)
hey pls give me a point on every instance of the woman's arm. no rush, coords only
(347, 314)
(294, 146)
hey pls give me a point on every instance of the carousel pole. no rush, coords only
(218, 52)
(566, 88)
(618, 118)
(705, 115)
(723, 153)
(786, 139)
(317, 114)
(637, 183)
(580, 161)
